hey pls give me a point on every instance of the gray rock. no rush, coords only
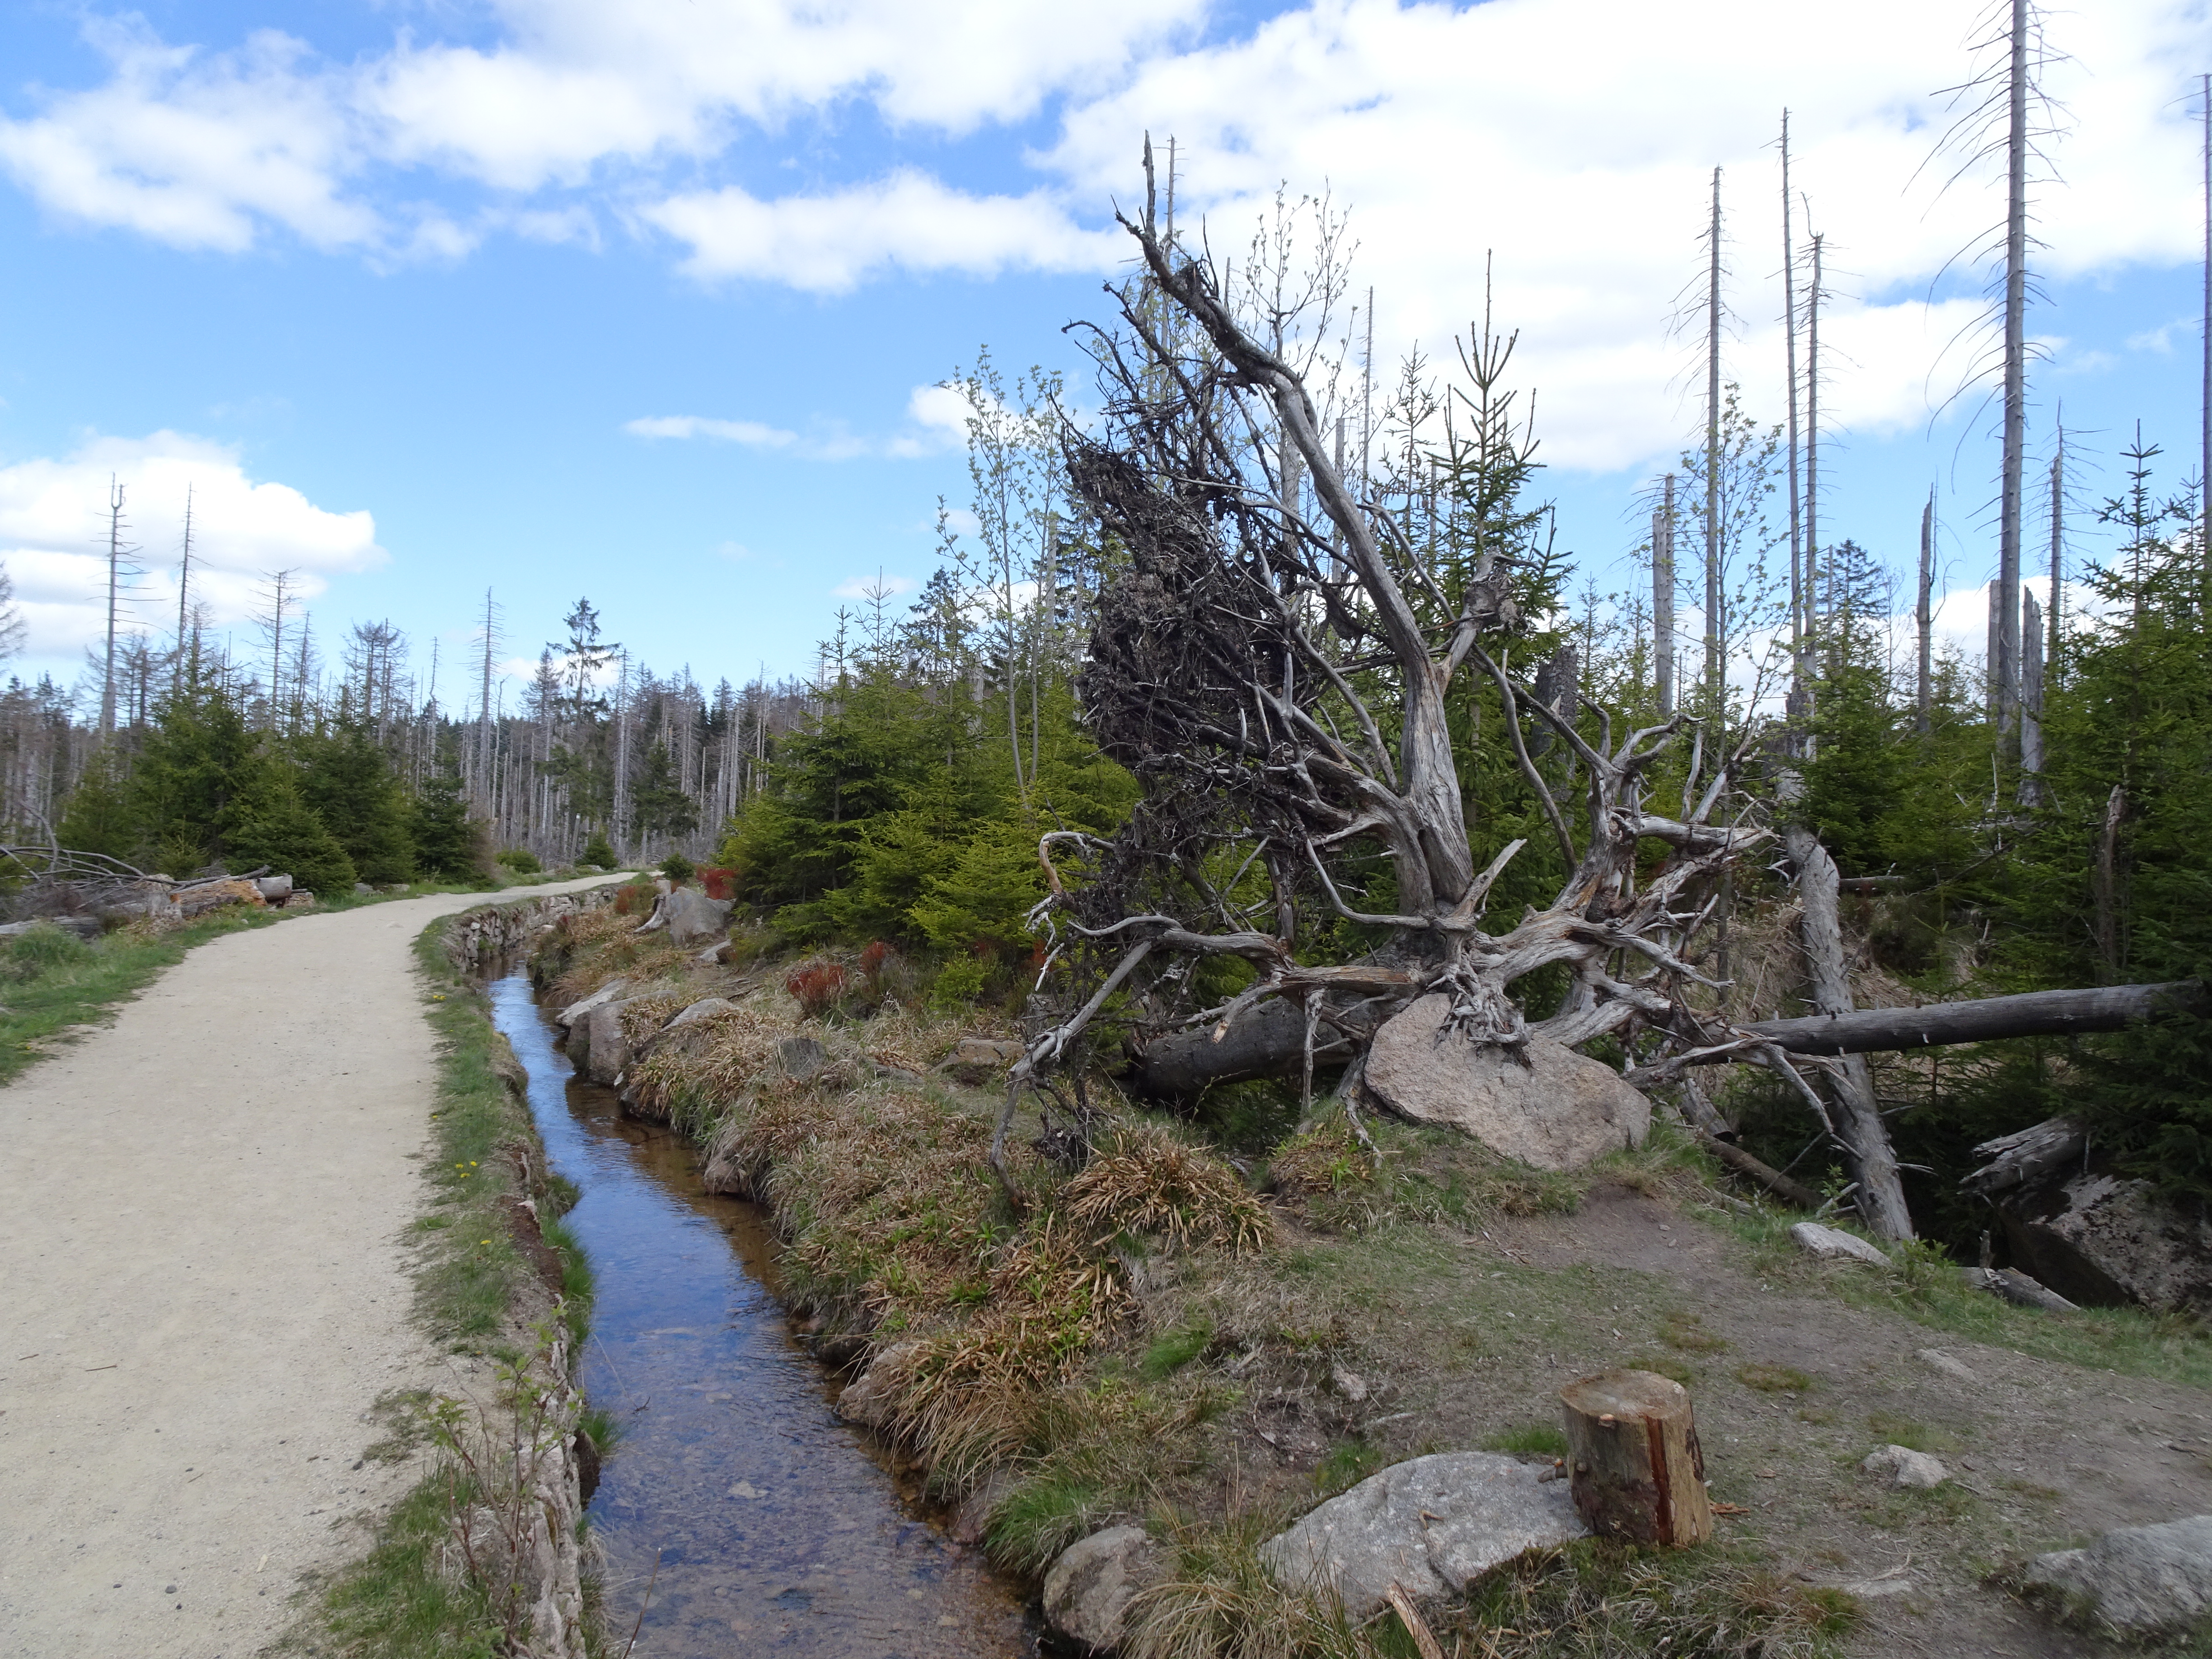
(576, 1010)
(801, 1058)
(274, 889)
(868, 1398)
(2140, 1580)
(2100, 1240)
(1901, 1466)
(1936, 1360)
(363, 887)
(687, 916)
(1431, 1525)
(1834, 1244)
(607, 1054)
(1088, 1590)
(1558, 1111)
(974, 1059)
(705, 1008)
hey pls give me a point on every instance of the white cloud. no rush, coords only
(937, 421)
(752, 433)
(1574, 139)
(829, 242)
(53, 534)
(196, 149)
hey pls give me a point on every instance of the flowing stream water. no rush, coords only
(776, 1527)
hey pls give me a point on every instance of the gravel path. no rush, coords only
(203, 1289)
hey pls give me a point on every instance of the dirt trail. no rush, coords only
(203, 1289)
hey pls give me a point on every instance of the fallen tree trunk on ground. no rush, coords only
(2032, 1013)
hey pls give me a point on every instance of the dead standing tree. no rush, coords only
(1246, 667)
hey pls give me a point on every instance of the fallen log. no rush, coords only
(2031, 1013)
(1788, 1191)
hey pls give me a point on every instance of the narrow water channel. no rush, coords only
(776, 1529)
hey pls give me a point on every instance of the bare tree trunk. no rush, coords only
(1858, 1122)
(2057, 551)
(1716, 648)
(115, 550)
(2107, 879)
(2031, 698)
(1798, 674)
(1813, 442)
(1662, 600)
(1923, 617)
(2005, 670)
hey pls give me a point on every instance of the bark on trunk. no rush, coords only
(2032, 1013)
(1857, 1118)
(1637, 1469)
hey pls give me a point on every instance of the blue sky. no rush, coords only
(388, 284)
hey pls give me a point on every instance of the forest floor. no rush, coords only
(201, 1210)
(1433, 1299)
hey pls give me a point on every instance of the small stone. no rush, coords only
(1350, 1384)
(801, 1057)
(1430, 1525)
(1936, 1359)
(974, 1059)
(868, 1398)
(1833, 1244)
(1089, 1589)
(2142, 1581)
(1903, 1466)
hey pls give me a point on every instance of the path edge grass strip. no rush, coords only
(474, 1288)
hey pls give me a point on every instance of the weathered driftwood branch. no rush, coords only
(1788, 1191)
(1985, 1019)
(2025, 1158)
(1857, 1118)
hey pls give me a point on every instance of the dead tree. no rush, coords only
(1278, 685)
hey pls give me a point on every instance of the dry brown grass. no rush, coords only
(1323, 1158)
(1153, 1181)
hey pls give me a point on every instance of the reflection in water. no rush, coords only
(777, 1530)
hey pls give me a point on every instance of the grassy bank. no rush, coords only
(1222, 1318)
(488, 1273)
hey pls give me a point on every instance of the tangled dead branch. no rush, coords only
(1275, 664)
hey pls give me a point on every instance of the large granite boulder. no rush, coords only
(688, 916)
(1431, 1525)
(606, 1045)
(1548, 1106)
(576, 1010)
(2098, 1238)
(2136, 1581)
(1089, 1589)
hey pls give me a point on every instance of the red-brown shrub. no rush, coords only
(818, 985)
(722, 885)
(634, 899)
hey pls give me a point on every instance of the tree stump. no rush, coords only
(1636, 1469)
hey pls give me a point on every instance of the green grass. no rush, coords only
(396, 1600)
(1175, 1351)
(51, 980)
(2172, 1348)
(400, 1602)
(1529, 1439)
(1774, 1379)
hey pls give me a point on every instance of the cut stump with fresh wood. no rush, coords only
(1636, 1471)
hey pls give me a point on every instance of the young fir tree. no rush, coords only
(345, 777)
(448, 844)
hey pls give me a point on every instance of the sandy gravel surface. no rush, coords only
(203, 1289)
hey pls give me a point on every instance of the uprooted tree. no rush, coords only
(1277, 664)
